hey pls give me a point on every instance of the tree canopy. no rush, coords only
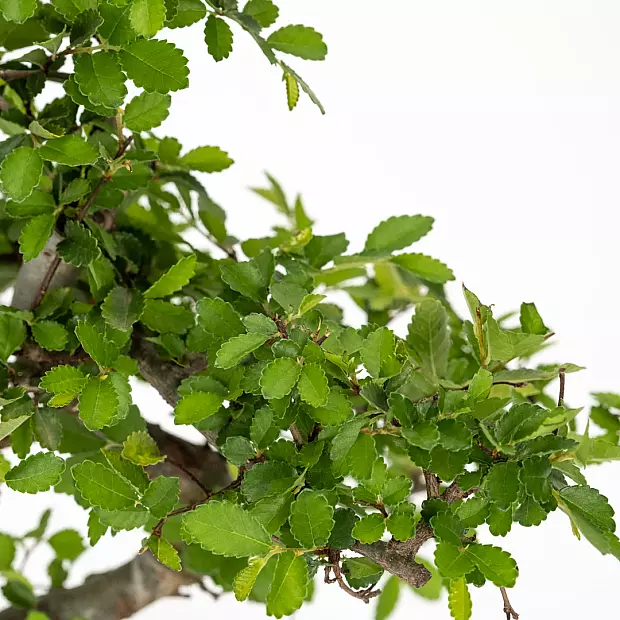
(331, 452)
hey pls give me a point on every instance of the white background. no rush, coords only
(500, 119)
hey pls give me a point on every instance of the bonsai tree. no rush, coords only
(331, 452)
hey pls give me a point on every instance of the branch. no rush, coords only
(508, 609)
(115, 594)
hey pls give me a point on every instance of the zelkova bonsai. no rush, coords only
(332, 453)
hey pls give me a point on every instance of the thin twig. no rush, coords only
(379, 506)
(508, 608)
(191, 475)
(433, 488)
(334, 565)
(562, 386)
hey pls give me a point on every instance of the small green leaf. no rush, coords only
(161, 496)
(425, 267)
(20, 172)
(459, 599)
(246, 578)
(122, 308)
(451, 561)
(227, 529)
(174, 279)
(8, 426)
(369, 528)
(401, 524)
(238, 348)
(289, 585)
(50, 335)
(292, 90)
(98, 403)
(495, 564)
(147, 17)
(79, 246)
(18, 10)
(502, 483)
(162, 316)
(279, 378)
(386, 603)
(156, 66)
(70, 150)
(397, 233)
(102, 487)
(103, 351)
(146, 111)
(219, 318)
(197, 406)
(238, 450)
(311, 519)
(100, 79)
(301, 41)
(36, 473)
(165, 553)
(337, 409)
(63, 380)
(531, 321)
(35, 234)
(140, 448)
(264, 12)
(379, 354)
(207, 159)
(67, 544)
(47, 428)
(313, 386)
(219, 37)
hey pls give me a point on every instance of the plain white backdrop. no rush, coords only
(499, 119)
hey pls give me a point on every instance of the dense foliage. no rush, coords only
(326, 431)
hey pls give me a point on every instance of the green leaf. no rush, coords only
(162, 316)
(246, 578)
(506, 344)
(401, 524)
(451, 561)
(499, 520)
(520, 422)
(379, 354)
(102, 487)
(84, 27)
(264, 12)
(289, 585)
(64, 380)
(146, 111)
(268, 479)
(311, 519)
(429, 337)
(50, 335)
(188, 12)
(98, 404)
(386, 603)
(161, 496)
(219, 318)
(396, 490)
(337, 409)
(70, 9)
(79, 246)
(36, 473)
(197, 406)
(313, 386)
(18, 10)
(369, 528)
(103, 351)
(116, 27)
(459, 599)
(67, 544)
(147, 17)
(301, 41)
(100, 79)
(69, 150)
(122, 308)
(156, 66)
(531, 321)
(590, 506)
(78, 188)
(38, 203)
(207, 159)
(361, 572)
(174, 279)
(47, 428)
(227, 529)
(20, 172)
(238, 348)
(7, 551)
(34, 235)
(495, 564)
(607, 399)
(218, 37)
(502, 483)
(12, 335)
(261, 324)
(425, 267)
(245, 278)
(480, 385)
(397, 233)
(8, 426)
(165, 553)
(140, 448)
(238, 450)
(279, 377)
